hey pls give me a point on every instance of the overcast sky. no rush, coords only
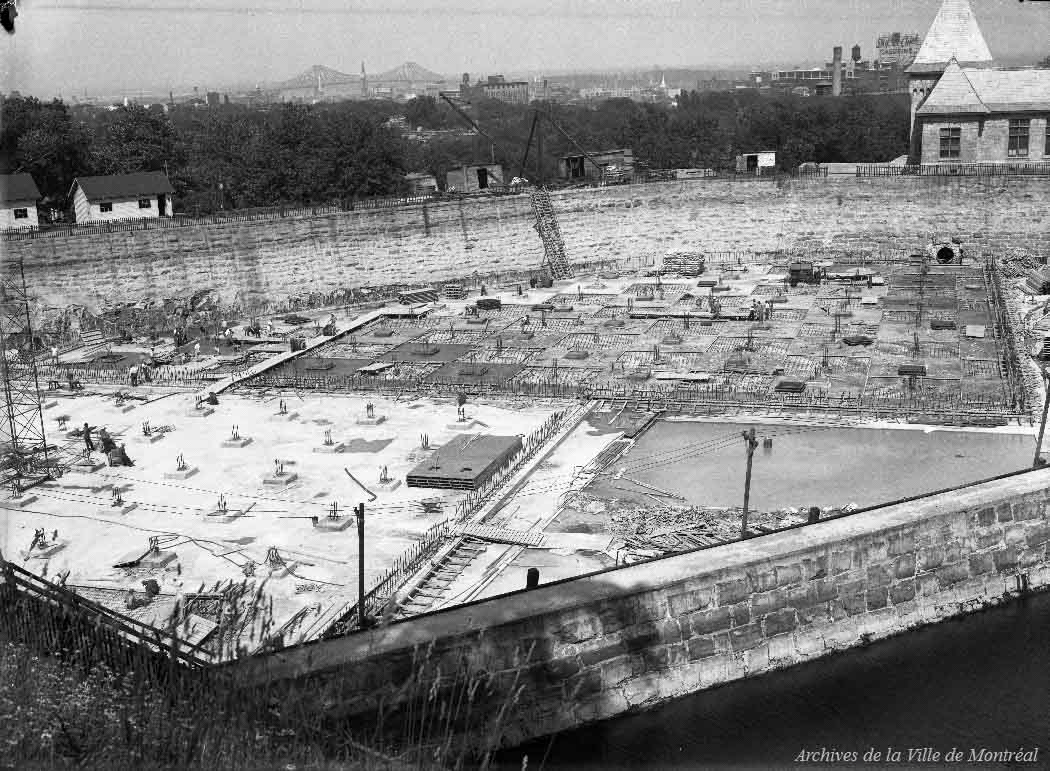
(113, 46)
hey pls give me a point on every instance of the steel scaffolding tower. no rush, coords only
(25, 459)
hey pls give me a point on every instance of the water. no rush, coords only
(810, 466)
(979, 682)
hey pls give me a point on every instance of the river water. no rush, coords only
(977, 683)
(808, 466)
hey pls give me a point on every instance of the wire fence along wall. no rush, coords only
(57, 621)
(270, 214)
(56, 377)
(403, 567)
(957, 170)
(926, 398)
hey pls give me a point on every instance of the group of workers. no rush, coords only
(117, 456)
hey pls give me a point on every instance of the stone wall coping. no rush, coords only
(619, 582)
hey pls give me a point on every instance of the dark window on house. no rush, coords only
(21, 214)
(1046, 150)
(104, 207)
(1018, 146)
(145, 203)
(951, 143)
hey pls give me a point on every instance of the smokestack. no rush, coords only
(836, 72)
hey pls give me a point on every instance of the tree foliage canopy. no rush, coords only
(234, 156)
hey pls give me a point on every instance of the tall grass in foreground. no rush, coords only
(56, 715)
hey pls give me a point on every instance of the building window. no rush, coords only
(145, 203)
(105, 207)
(21, 214)
(1018, 147)
(951, 143)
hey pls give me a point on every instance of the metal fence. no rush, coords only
(957, 170)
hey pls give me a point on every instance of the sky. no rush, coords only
(66, 47)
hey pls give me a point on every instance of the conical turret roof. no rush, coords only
(953, 34)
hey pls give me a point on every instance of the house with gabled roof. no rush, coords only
(18, 197)
(121, 196)
(964, 110)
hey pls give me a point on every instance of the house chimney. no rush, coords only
(836, 72)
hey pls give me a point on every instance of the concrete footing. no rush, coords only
(373, 421)
(87, 467)
(390, 484)
(23, 501)
(152, 438)
(203, 412)
(185, 473)
(462, 425)
(115, 511)
(243, 441)
(334, 524)
(280, 481)
(331, 448)
(223, 517)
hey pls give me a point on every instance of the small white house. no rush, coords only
(754, 163)
(18, 197)
(122, 196)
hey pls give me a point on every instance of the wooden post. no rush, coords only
(752, 443)
(360, 512)
(1042, 423)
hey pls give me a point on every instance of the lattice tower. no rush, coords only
(26, 457)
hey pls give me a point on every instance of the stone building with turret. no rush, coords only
(964, 109)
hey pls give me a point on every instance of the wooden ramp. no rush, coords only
(495, 534)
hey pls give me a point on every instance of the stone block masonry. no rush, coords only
(421, 244)
(632, 637)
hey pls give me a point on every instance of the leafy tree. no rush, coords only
(42, 139)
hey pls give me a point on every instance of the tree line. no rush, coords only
(236, 156)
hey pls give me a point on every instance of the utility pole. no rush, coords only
(752, 443)
(359, 511)
(1042, 423)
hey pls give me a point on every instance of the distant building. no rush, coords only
(964, 110)
(512, 92)
(756, 163)
(214, 99)
(123, 196)
(576, 167)
(897, 50)
(420, 184)
(18, 197)
(472, 178)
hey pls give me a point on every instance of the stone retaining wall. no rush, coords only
(420, 244)
(632, 637)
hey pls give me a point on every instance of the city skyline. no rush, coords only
(65, 47)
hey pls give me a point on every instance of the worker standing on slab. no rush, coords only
(87, 438)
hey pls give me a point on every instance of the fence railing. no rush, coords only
(957, 170)
(54, 619)
(404, 566)
(133, 224)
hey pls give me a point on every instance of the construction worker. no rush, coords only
(87, 437)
